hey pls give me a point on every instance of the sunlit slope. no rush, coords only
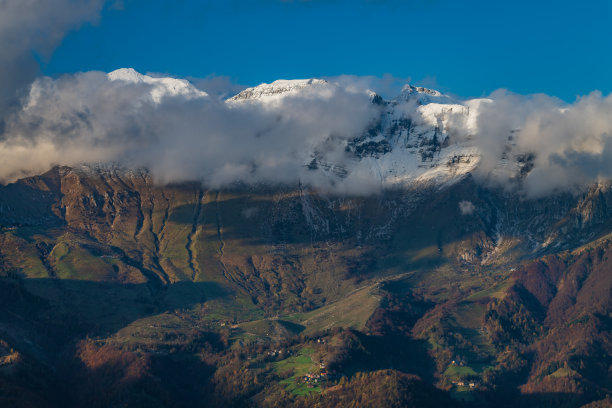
(108, 260)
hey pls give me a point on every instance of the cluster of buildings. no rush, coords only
(311, 380)
(471, 384)
(459, 362)
(279, 352)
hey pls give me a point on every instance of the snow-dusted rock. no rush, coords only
(277, 89)
(160, 87)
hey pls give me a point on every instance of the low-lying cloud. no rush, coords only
(562, 147)
(535, 144)
(88, 118)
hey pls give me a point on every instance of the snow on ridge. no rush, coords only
(126, 74)
(423, 95)
(420, 127)
(278, 88)
(411, 90)
(160, 87)
(423, 135)
(429, 142)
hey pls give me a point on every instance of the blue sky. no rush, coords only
(468, 48)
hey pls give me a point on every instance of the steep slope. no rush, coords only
(413, 140)
(100, 251)
(132, 292)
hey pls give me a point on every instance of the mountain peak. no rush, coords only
(277, 88)
(411, 90)
(161, 87)
(126, 74)
(423, 95)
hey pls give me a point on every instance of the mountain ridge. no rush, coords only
(442, 289)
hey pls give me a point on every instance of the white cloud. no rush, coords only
(466, 207)
(29, 27)
(218, 86)
(567, 146)
(388, 86)
(182, 134)
(89, 118)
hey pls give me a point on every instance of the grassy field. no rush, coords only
(299, 365)
(497, 291)
(456, 372)
(351, 312)
(564, 372)
(161, 330)
(271, 328)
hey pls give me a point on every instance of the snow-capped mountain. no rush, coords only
(317, 132)
(421, 135)
(160, 87)
(424, 95)
(277, 89)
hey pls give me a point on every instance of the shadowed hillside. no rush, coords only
(129, 293)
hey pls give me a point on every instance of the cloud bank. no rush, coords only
(88, 118)
(31, 29)
(560, 147)
(536, 144)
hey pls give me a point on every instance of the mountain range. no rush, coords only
(427, 282)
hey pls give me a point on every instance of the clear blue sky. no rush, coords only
(469, 48)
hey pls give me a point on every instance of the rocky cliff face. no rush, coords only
(170, 232)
